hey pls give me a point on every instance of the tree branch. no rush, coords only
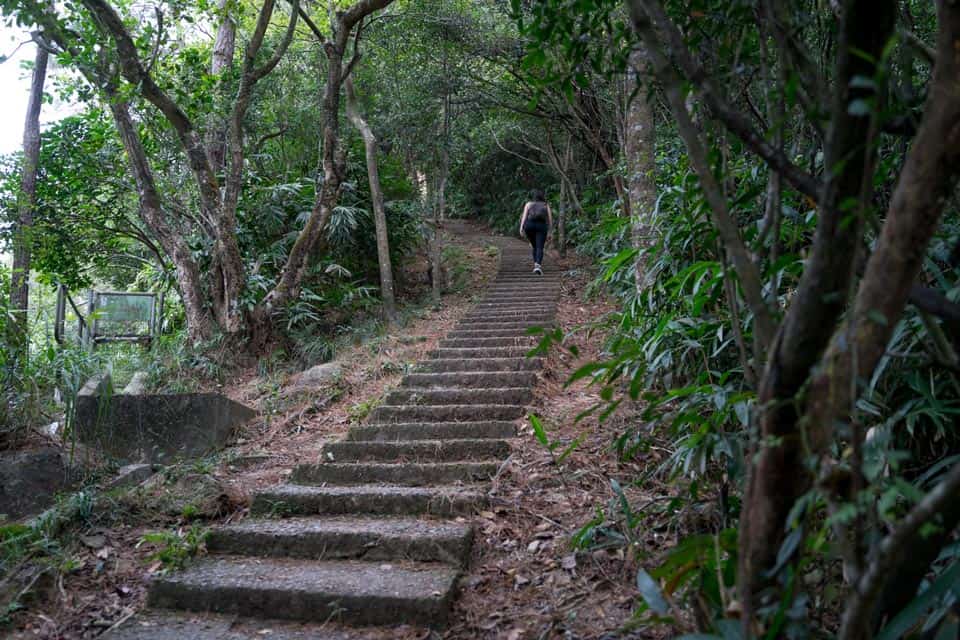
(726, 113)
(891, 552)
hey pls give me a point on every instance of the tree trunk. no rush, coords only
(376, 195)
(641, 167)
(436, 258)
(221, 61)
(334, 166)
(173, 241)
(22, 236)
(779, 475)
(560, 240)
(726, 226)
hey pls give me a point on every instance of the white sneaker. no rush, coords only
(537, 270)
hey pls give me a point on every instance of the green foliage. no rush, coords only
(540, 433)
(175, 548)
(359, 411)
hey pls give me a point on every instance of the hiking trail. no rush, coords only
(378, 531)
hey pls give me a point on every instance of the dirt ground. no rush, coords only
(525, 580)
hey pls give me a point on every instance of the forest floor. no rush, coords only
(526, 580)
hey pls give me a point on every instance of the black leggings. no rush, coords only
(536, 231)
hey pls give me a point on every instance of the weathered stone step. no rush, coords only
(460, 334)
(481, 353)
(447, 413)
(473, 325)
(435, 450)
(471, 379)
(431, 431)
(357, 538)
(364, 593)
(508, 316)
(514, 299)
(509, 305)
(477, 343)
(293, 499)
(520, 295)
(506, 395)
(191, 625)
(533, 289)
(416, 474)
(488, 365)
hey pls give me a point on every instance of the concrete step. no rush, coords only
(538, 288)
(381, 500)
(431, 431)
(184, 625)
(435, 450)
(506, 395)
(508, 316)
(521, 325)
(481, 353)
(448, 413)
(509, 305)
(364, 593)
(480, 343)
(532, 290)
(470, 380)
(412, 474)
(488, 365)
(338, 538)
(461, 334)
(518, 299)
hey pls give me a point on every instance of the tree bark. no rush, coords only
(779, 475)
(27, 198)
(221, 62)
(376, 195)
(189, 281)
(232, 275)
(640, 143)
(333, 163)
(727, 229)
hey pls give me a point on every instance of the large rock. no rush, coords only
(29, 480)
(158, 428)
(137, 385)
(319, 375)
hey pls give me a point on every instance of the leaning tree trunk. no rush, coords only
(334, 166)
(376, 195)
(641, 167)
(20, 277)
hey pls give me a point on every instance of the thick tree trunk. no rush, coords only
(376, 195)
(928, 179)
(779, 475)
(22, 235)
(189, 280)
(640, 141)
(224, 48)
(230, 270)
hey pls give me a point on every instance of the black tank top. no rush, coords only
(537, 212)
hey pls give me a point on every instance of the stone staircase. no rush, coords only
(378, 531)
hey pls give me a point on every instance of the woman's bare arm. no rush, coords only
(523, 218)
(549, 219)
